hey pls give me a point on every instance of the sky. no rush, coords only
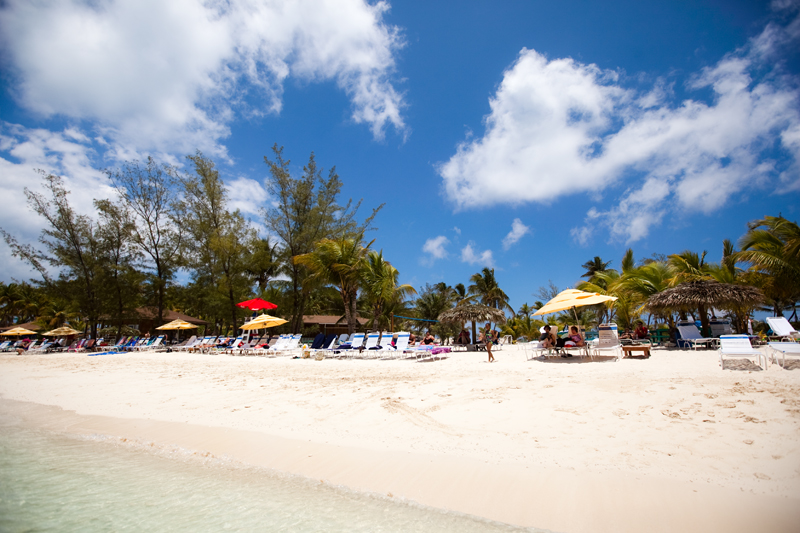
(524, 136)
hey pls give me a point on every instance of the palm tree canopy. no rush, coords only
(486, 289)
(472, 313)
(594, 266)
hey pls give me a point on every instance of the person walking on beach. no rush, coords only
(488, 340)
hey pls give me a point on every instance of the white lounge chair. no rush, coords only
(351, 348)
(690, 336)
(782, 329)
(607, 340)
(792, 349)
(739, 346)
(371, 346)
(386, 344)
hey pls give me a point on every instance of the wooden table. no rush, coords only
(629, 349)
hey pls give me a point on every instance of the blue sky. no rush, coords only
(526, 136)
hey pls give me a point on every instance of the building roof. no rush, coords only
(33, 326)
(150, 313)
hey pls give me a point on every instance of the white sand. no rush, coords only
(670, 443)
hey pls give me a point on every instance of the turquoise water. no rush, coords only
(52, 482)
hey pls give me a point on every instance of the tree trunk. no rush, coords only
(704, 325)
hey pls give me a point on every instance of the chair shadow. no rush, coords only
(741, 365)
(791, 364)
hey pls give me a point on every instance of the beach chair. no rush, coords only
(739, 346)
(720, 326)
(87, 347)
(792, 349)
(607, 341)
(400, 345)
(351, 348)
(185, 343)
(371, 346)
(77, 347)
(782, 329)
(690, 336)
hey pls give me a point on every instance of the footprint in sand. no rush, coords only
(620, 413)
(759, 475)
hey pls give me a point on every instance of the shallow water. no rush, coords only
(53, 482)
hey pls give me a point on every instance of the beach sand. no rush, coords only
(669, 443)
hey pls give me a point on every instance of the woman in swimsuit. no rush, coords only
(488, 340)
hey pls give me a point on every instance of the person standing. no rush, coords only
(488, 340)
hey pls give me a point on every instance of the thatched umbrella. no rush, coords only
(701, 295)
(473, 313)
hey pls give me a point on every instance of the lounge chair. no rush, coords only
(186, 342)
(400, 345)
(607, 340)
(720, 326)
(792, 349)
(371, 346)
(739, 346)
(690, 336)
(349, 349)
(782, 329)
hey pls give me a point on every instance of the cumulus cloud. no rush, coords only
(67, 153)
(247, 195)
(518, 230)
(435, 248)
(169, 76)
(475, 257)
(559, 127)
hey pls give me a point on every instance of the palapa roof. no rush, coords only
(473, 312)
(330, 320)
(692, 294)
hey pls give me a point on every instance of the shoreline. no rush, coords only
(379, 452)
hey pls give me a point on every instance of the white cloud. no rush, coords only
(472, 256)
(559, 127)
(22, 152)
(435, 248)
(247, 195)
(518, 230)
(169, 76)
(457, 230)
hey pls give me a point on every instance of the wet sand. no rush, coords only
(669, 443)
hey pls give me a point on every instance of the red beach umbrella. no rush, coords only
(257, 304)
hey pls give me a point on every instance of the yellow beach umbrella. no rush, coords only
(262, 322)
(573, 298)
(18, 331)
(177, 324)
(63, 331)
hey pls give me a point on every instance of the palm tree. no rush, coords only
(594, 266)
(645, 281)
(339, 262)
(605, 282)
(772, 248)
(690, 266)
(379, 279)
(486, 290)
(432, 302)
(525, 310)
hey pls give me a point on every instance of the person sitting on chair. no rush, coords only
(641, 331)
(428, 339)
(463, 338)
(547, 339)
(574, 339)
